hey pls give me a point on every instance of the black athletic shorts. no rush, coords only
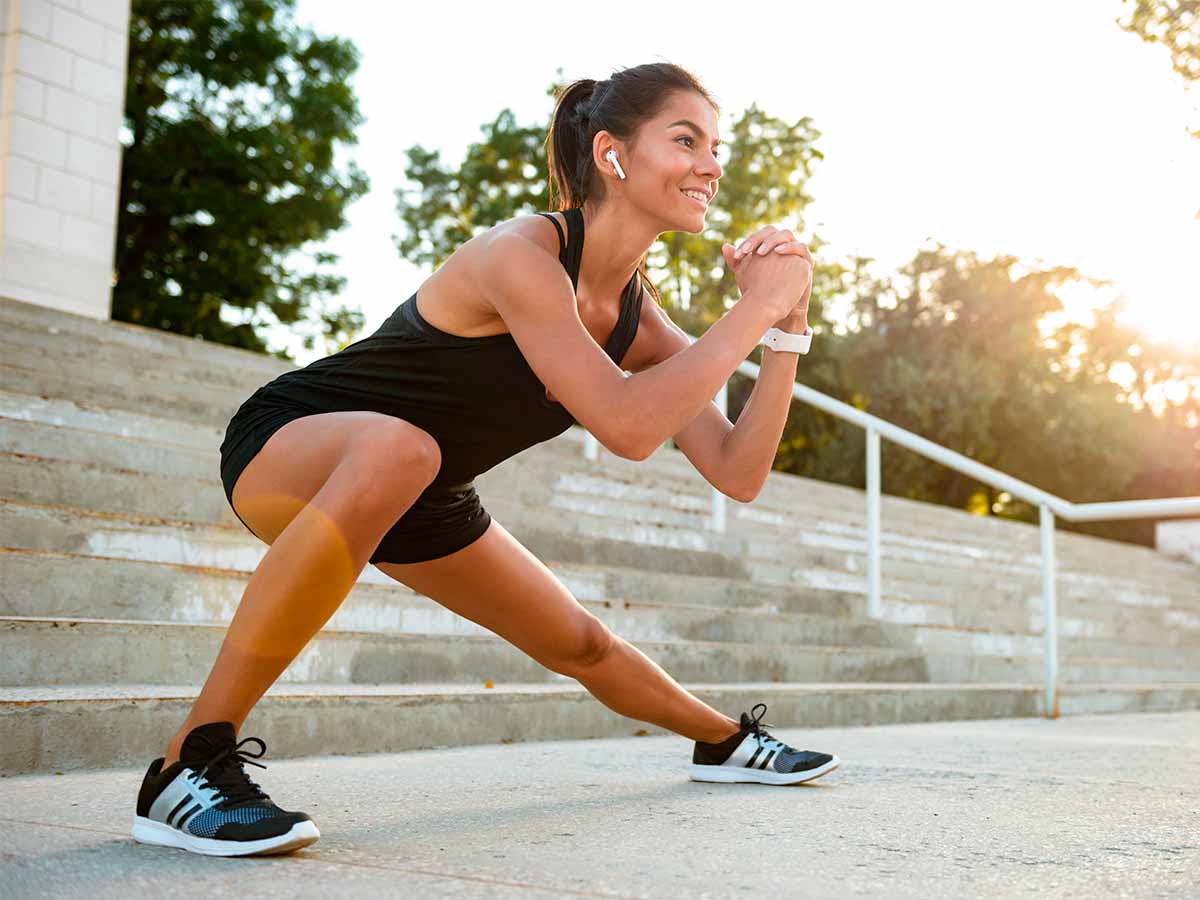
(444, 518)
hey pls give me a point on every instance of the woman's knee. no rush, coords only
(398, 450)
(590, 645)
(385, 469)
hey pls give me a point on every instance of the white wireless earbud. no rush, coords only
(611, 156)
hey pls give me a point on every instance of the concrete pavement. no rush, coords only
(1086, 806)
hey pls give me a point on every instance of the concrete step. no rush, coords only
(53, 481)
(967, 667)
(84, 422)
(116, 378)
(53, 540)
(160, 397)
(691, 493)
(1140, 643)
(906, 555)
(57, 530)
(131, 535)
(634, 604)
(49, 651)
(56, 442)
(94, 486)
(38, 347)
(65, 727)
(1160, 646)
(44, 651)
(83, 333)
(575, 486)
(658, 500)
(671, 480)
(783, 563)
(1077, 593)
(65, 531)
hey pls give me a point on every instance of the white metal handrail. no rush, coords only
(1048, 504)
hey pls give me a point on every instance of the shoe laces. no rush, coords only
(224, 772)
(764, 737)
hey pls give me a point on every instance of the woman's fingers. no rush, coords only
(771, 238)
(794, 248)
(746, 247)
(772, 241)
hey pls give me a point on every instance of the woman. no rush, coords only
(368, 455)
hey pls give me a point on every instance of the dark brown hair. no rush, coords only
(620, 105)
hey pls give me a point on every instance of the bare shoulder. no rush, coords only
(532, 226)
(450, 298)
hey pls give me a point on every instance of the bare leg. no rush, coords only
(306, 573)
(497, 583)
(628, 682)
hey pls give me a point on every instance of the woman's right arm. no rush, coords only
(532, 293)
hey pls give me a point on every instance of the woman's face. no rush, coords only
(672, 157)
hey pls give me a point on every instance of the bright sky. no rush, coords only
(1036, 128)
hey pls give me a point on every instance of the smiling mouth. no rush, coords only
(693, 200)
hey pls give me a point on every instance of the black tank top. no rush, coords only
(477, 396)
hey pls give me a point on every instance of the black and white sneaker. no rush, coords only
(207, 803)
(753, 755)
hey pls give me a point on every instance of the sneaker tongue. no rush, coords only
(746, 722)
(204, 741)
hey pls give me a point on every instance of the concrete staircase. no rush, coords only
(121, 563)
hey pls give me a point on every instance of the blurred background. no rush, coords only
(1003, 201)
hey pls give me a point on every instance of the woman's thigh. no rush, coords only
(497, 583)
(299, 459)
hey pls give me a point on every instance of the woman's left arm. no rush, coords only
(748, 451)
(735, 459)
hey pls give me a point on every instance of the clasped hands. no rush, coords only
(770, 239)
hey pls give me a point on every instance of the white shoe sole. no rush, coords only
(732, 774)
(148, 831)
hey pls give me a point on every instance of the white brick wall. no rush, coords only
(103, 203)
(28, 95)
(64, 192)
(37, 141)
(96, 80)
(41, 59)
(68, 110)
(34, 16)
(19, 179)
(98, 161)
(62, 82)
(82, 36)
(38, 275)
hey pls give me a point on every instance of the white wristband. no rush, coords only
(787, 342)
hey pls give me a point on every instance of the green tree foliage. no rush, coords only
(502, 176)
(962, 352)
(970, 355)
(232, 118)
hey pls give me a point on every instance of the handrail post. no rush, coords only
(874, 603)
(1049, 612)
(718, 499)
